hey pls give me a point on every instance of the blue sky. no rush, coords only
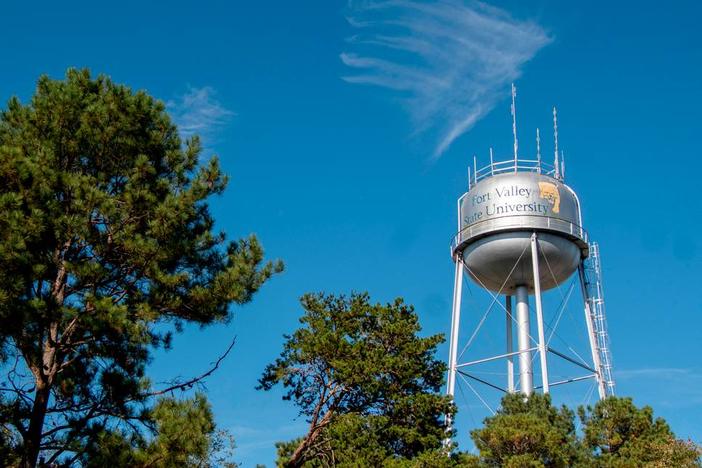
(347, 131)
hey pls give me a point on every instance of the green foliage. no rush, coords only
(105, 235)
(622, 435)
(8, 448)
(528, 432)
(358, 441)
(365, 380)
(183, 432)
(185, 437)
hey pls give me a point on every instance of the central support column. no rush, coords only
(510, 359)
(525, 369)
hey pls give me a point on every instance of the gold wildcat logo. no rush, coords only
(549, 192)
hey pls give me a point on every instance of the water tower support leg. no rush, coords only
(591, 333)
(510, 359)
(525, 370)
(539, 311)
(455, 321)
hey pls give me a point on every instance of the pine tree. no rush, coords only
(105, 236)
(528, 432)
(531, 432)
(621, 435)
(366, 382)
(184, 435)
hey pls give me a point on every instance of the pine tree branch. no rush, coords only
(195, 380)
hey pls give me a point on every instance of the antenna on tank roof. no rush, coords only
(475, 170)
(491, 162)
(514, 124)
(538, 152)
(555, 140)
(562, 165)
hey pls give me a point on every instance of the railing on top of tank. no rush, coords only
(486, 225)
(513, 165)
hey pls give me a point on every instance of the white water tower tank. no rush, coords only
(497, 218)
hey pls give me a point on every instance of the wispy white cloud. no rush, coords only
(657, 372)
(250, 439)
(198, 112)
(673, 387)
(451, 60)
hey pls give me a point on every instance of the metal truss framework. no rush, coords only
(590, 279)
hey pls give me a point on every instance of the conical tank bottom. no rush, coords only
(501, 262)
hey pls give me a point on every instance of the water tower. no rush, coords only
(520, 234)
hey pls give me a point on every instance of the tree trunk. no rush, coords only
(300, 456)
(45, 370)
(32, 441)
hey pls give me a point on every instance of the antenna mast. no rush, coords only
(562, 164)
(514, 124)
(555, 139)
(538, 152)
(492, 163)
(475, 170)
